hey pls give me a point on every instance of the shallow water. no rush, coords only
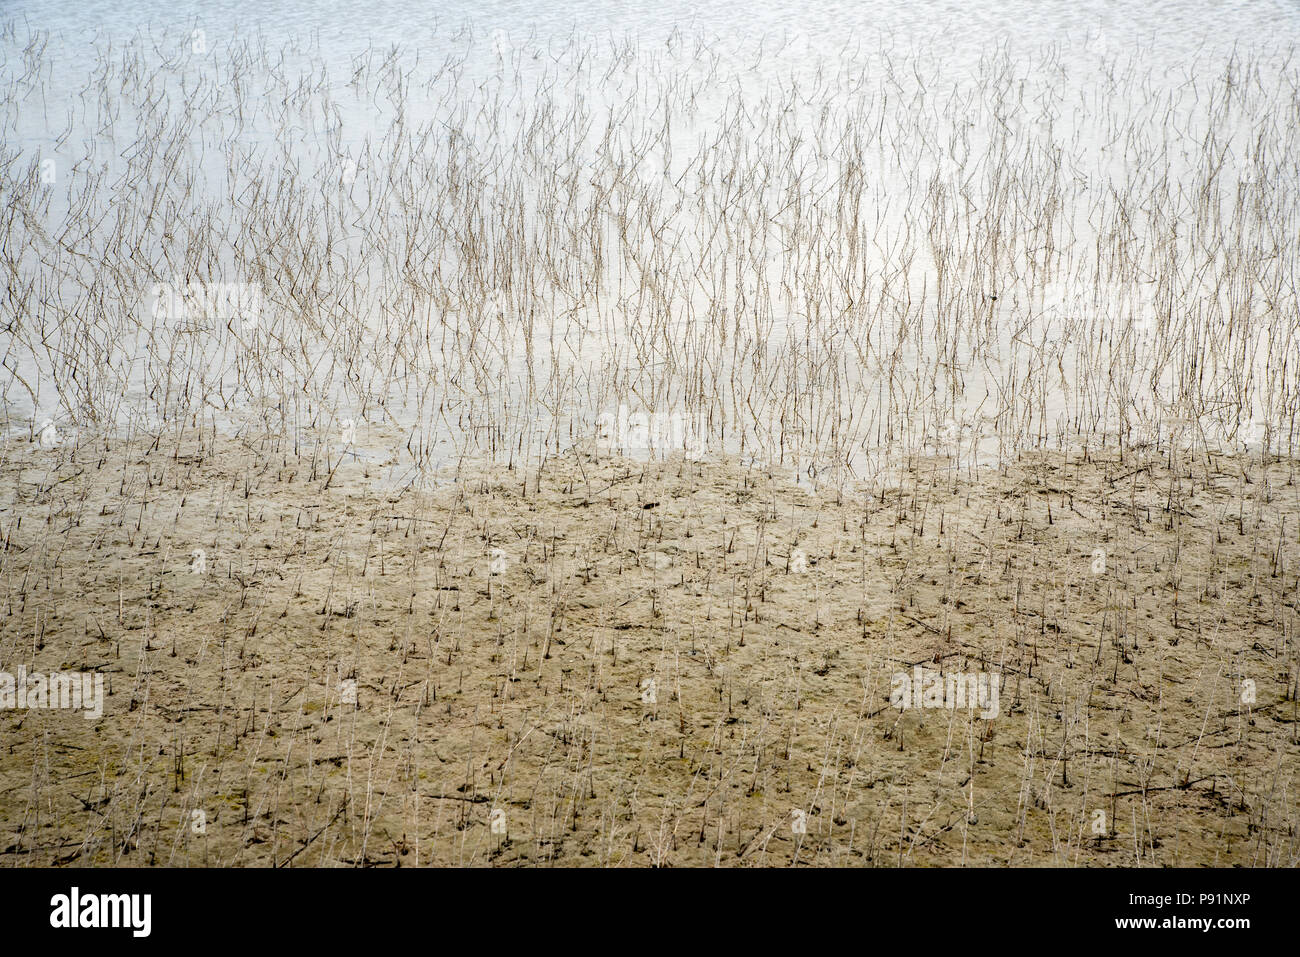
(539, 368)
(1173, 28)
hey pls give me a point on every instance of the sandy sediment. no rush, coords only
(605, 662)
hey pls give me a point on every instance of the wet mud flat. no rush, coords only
(603, 662)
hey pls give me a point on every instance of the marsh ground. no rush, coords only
(647, 663)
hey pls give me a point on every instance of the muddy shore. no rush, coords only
(601, 662)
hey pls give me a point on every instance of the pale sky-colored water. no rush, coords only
(1176, 26)
(1169, 40)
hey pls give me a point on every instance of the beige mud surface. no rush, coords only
(226, 739)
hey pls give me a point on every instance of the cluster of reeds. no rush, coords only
(839, 263)
(1013, 329)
